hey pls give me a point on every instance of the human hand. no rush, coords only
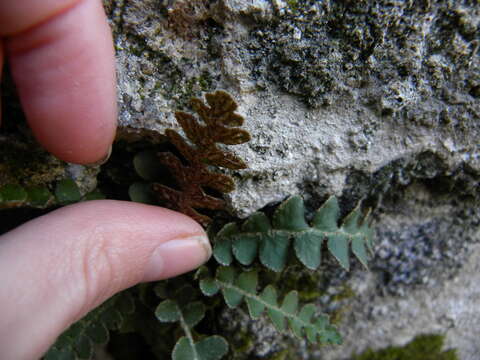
(56, 268)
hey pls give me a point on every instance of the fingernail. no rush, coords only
(177, 256)
(104, 160)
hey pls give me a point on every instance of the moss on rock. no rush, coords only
(422, 347)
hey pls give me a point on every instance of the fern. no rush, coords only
(77, 342)
(191, 174)
(209, 348)
(235, 289)
(192, 178)
(271, 241)
(66, 192)
(219, 118)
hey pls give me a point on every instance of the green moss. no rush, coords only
(139, 47)
(240, 340)
(345, 293)
(243, 343)
(186, 89)
(205, 81)
(422, 347)
(292, 4)
(282, 355)
(27, 163)
(307, 283)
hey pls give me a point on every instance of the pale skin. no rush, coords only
(56, 268)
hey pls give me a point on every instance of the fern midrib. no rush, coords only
(266, 304)
(188, 333)
(273, 232)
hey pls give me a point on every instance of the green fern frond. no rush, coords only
(14, 195)
(235, 289)
(77, 342)
(271, 240)
(208, 348)
(66, 192)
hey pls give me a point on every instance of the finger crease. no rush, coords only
(35, 42)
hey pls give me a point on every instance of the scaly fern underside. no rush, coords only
(193, 178)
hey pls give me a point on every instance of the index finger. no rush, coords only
(62, 60)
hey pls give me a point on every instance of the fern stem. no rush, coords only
(189, 335)
(263, 302)
(290, 233)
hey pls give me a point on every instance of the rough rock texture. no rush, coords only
(374, 100)
(327, 87)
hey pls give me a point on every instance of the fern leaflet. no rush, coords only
(77, 342)
(209, 348)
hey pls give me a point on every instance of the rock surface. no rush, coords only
(373, 100)
(327, 87)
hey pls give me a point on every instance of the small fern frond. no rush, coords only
(271, 240)
(78, 340)
(65, 192)
(237, 288)
(209, 348)
(192, 176)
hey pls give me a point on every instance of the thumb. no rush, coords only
(56, 268)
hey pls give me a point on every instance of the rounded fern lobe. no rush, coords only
(11, 194)
(168, 311)
(147, 165)
(210, 348)
(141, 193)
(290, 215)
(67, 192)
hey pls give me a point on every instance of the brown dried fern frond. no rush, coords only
(219, 119)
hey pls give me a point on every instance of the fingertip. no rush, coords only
(176, 257)
(56, 268)
(64, 69)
